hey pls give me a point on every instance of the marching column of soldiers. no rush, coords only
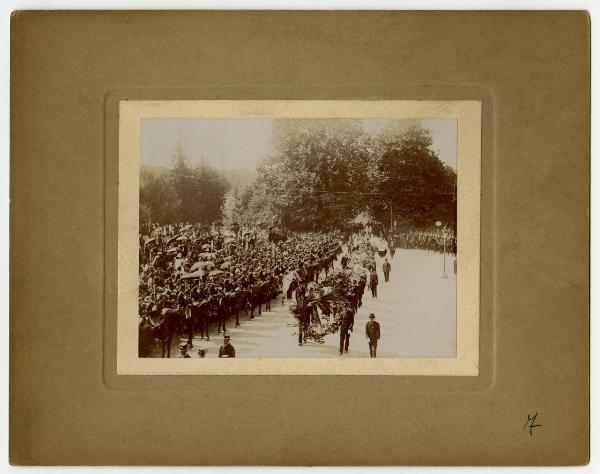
(193, 276)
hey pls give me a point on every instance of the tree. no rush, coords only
(182, 193)
(415, 182)
(322, 175)
(158, 201)
(314, 179)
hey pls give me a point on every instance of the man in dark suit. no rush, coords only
(373, 334)
(227, 349)
(373, 282)
(346, 326)
(387, 268)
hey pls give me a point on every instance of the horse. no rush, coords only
(256, 298)
(239, 302)
(145, 339)
(200, 318)
(272, 290)
(169, 326)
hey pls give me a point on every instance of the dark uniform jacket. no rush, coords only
(227, 350)
(387, 267)
(181, 299)
(347, 322)
(374, 279)
(373, 331)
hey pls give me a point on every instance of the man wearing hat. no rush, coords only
(346, 326)
(227, 349)
(373, 282)
(387, 268)
(373, 334)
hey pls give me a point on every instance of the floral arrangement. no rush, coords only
(319, 312)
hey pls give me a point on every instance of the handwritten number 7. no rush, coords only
(531, 423)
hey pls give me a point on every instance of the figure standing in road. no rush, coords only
(183, 351)
(346, 327)
(373, 282)
(189, 322)
(227, 349)
(387, 268)
(373, 334)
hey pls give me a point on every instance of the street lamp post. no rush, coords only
(444, 237)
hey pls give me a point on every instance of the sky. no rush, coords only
(238, 143)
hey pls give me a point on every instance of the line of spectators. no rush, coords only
(426, 240)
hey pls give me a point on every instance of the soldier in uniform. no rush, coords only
(189, 322)
(386, 270)
(362, 283)
(346, 326)
(373, 334)
(227, 349)
(373, 282)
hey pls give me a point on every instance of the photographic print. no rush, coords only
(306, 238)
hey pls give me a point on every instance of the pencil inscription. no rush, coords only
(531, 423)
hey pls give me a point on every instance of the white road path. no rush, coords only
(416, 310)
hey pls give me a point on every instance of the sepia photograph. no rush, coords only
(297, 237)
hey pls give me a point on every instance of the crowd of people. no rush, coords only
(433, 240)
(193, 276)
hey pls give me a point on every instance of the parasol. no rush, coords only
(196, 274)
(226, 266)
(202, 264)
(216, 272)
(173, 239)
(206, 256)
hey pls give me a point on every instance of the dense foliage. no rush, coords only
(325, 173)
(182, 193)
